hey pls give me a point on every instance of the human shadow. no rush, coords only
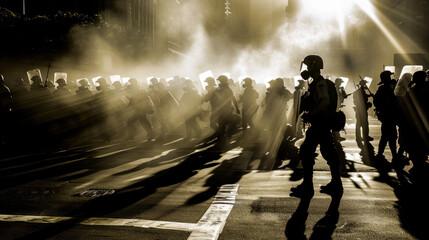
(226, 172)
(295, 226)
(413, 210)
(326, 226)
(127, 196)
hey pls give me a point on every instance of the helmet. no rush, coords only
(338, 81)
(61, 82)
(132, 81)
(83, 82)
(36, 79)
(247, 81)
(223, 79)
(419, 77)
(210, 80)
(102, 81)
(385, 77)
(313, 62)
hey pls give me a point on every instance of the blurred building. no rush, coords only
(137, 14)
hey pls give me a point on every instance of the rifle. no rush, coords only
(370, 93)
(47, 74)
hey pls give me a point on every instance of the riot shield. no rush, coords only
(345, 82)
(115, 78)
(226, 74)
(402, 85)
(125, 80)
(203, 76)
(33, 73)
(390, 68)
(93, 81)
(59, 75)
(410, 69)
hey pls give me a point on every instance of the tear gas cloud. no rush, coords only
(204, 41)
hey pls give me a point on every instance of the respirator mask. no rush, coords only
(305, 74)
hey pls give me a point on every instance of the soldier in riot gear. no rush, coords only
(210, 89)
(362, 104)
(341, 93)
(5, 110)
(386, 107)
(248, 99)
(190, 104)
(224, 100)
(142, 105)
(319, 104)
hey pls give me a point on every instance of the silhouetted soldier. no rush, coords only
(266, 104)
(208, 97)
(224, 102)
(341, 93)
(190, 104)
(320, 106)
(104, 109)
(119, 102)
(386, 108)
(142, 105)
(84, 106)
(64, 113)
(401, 93)
(20, 111)
(276, 119)
(297, 125)
(5, 111)
(360, 100)
(248, 99)
(40, 109)
(419, 134)
(169, 110)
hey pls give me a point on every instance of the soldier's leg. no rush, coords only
(307, 154)
(383, 140)
(147, 126)
(329, 152)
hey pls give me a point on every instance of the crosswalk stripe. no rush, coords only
(211, 224)
(208, 227)
(102, 222)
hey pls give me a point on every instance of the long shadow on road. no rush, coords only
(136, 192)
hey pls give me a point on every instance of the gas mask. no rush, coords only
(305, 74)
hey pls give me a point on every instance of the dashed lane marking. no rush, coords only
(208, 227)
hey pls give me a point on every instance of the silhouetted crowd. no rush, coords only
(47, 113)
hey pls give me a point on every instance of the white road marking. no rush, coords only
(102, 222)
(208, 227)
(211, 224)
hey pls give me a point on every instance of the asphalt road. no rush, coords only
(177, 189)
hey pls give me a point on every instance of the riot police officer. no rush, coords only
(319, 104)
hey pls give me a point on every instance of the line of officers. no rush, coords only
(402, 107)
(45, 114)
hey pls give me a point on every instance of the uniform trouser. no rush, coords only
(142, 118)
(192, 125)
(388, 135)
(247, 119)
(362, 122)
(316, 135)
(224, 120)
